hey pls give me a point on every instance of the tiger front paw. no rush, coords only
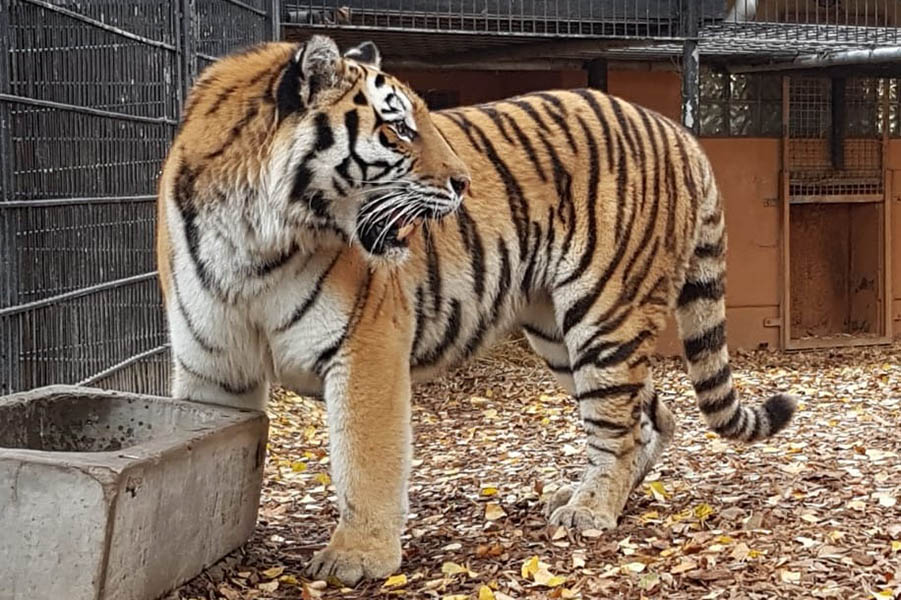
(352, 560)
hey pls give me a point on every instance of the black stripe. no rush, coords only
(495, 117)
(418, 331)
(653, 405)
(625, 125)
(530, 150)
(733, 425)
(322, 364)
(698, 290)
(591, 206)
(301, 310)
(325, 139)
(184, 200)
(559, 119)
(710, 407)
(602, 449)
(547, 337)
(434, 273)
(714, 381)
(451, 332)
(533, 114)
(610, 391)
(231, 388)
(711, 340)
(710, 250)
(519, 211)
(622, 353)
(505, 280)
(265, 268)
(527, 284)
(590, 98)
(222, 97)
(605, 424)
(472, 239)
(192, 327)
(235, 131)
(287, 95)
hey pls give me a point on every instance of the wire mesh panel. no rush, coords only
(606, 18)
(90, 95)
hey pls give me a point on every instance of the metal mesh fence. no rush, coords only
(90, 94)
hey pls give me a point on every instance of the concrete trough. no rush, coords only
(109, 495)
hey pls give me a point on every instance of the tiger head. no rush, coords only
(367, 160)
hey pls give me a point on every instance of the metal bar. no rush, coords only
(839, 118)
(785, 296)
(890, 54)
(204, 56)
(99, 24)
(122, 365)
(97, 112)
(44, 202)
(597, 74)
(187, 46)
(22, 308)
(275, 20)
(887, 225)
(532, 65)
(691, 76)
(10, 370)
(252, 9)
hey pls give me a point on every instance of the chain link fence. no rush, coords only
(90, 96)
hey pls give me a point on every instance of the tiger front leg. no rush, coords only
(367, 392)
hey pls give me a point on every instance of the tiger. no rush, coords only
(319, 228)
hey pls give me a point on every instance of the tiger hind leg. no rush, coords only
(627, 427)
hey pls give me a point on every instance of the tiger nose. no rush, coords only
(459, 184)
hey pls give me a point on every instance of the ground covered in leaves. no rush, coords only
(812, 513)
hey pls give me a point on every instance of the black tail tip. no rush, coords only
(779, 410)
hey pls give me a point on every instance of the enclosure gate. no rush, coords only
(90, 96)
(837, 287)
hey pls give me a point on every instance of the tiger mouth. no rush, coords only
(391, 231)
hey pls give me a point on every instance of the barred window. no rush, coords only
(740, 105)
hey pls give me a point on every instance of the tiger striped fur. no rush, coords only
(312, 231)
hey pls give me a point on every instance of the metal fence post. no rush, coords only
(9, 286)
(187, 46)
(275, 20)
(691, 82)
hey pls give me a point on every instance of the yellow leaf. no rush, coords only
(493, 511)
(754, 553)
(485, 593)
(323, 478)
(298, 466)
(530, 567)
(885, 594)
(489, 491)
(544, 577)
(896, 546)
(702, 511)
(658, 491)
(649, 516)
(273, 572)
(269, 586)
(395, 581)
(289, 579)
(452, 568)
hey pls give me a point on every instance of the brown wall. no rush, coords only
(747, 170)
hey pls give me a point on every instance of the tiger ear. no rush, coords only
(320, 64)
(366, 53)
